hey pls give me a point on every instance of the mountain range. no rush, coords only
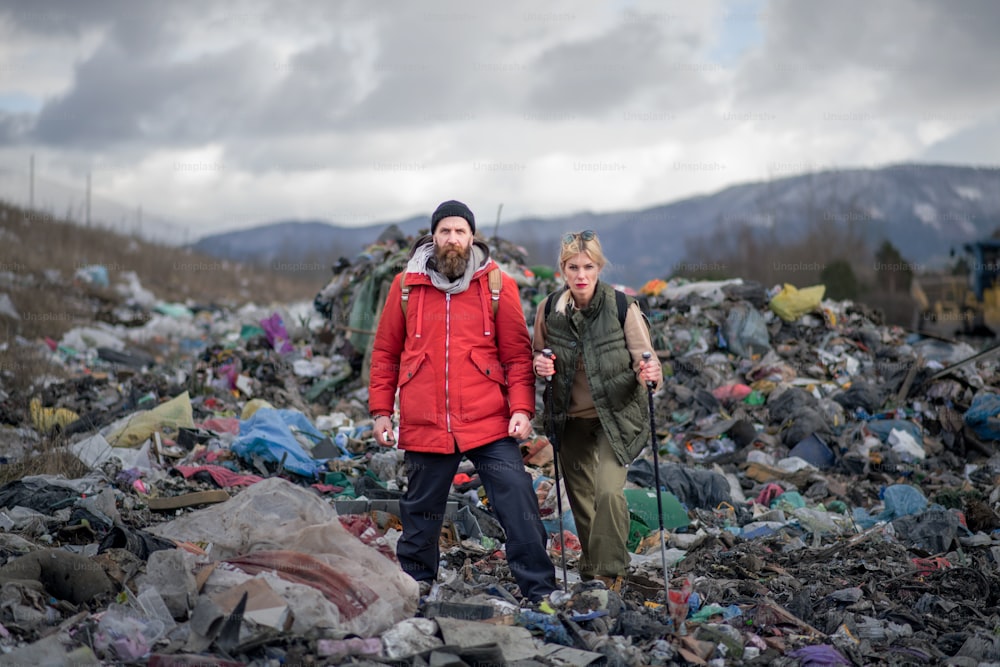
(925, 210)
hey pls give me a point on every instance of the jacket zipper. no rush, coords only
(447, 359)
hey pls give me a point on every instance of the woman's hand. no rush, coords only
(651, 371)
(544, 366)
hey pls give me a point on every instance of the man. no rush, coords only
(466, 388)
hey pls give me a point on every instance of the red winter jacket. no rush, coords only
(461, 373)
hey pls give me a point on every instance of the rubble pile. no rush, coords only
(829, 494)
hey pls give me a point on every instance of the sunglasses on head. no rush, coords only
(585, 235)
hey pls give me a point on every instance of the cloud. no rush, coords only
(607, 71)
(898, 56)
(120, 100)
(380, 109)
(979, 144)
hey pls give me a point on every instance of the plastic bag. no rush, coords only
(47, 419)
(983, 416)
(269, 434)
(283, 522)
(746, 331)
(174, 414)
(277, 334)
(902, 500)
(909, 450)
(792, 303)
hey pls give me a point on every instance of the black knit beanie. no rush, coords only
(450, 208)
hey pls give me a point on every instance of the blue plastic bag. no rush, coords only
(983, 416)
(902, 500)
(268, 434)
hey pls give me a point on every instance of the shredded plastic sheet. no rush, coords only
(280, 526)
(352, 597)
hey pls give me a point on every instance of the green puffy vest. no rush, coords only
(597, 335)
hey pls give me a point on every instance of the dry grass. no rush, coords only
(23, 368)
(40, 255)
(21, 372)
(39, 259)
(50, 458)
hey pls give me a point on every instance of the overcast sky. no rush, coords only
(229, 114)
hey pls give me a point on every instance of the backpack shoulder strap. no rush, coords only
(624, 301)
(496, 283)
(495, 279)
(621, 299)
(405, 296)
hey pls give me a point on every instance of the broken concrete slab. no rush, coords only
(515, 642)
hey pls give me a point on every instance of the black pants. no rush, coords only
(513, 500)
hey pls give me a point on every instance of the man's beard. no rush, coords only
(452, 261)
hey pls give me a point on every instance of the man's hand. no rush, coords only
(383, 431)
(519, 426)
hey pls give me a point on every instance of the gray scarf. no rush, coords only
(424, 253)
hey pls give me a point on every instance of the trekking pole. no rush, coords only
(646, 356)
(555, 464)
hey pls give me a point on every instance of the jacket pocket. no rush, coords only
(418, 392)
(484, 388)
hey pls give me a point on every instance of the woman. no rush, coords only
(599, 399)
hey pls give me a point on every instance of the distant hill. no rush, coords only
(291, 240)
(923, 209)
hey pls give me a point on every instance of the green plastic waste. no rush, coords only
(248, 331)
(372, 475)
(173, 309)
(705, 614)
(838, 506)
(543, 271)
(755, 397)
(637, 531)
(320, 386)
(788, 501)
(341, 479)
(681, 417)
(642, 503)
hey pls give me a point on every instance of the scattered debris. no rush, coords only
(829, 494)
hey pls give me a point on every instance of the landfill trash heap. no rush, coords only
(828, 493)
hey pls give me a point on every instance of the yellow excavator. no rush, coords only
(953, 306)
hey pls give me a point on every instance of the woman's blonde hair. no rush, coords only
(587, 242)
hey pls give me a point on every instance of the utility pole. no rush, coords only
(88, 199)
(31, 183)
(138, 221)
